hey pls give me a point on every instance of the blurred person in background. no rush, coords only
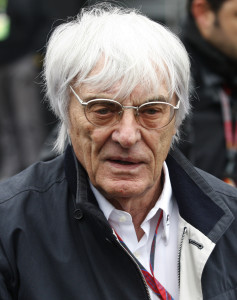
(21, 116)
(121, 214)
(210, 36)
(24, 119)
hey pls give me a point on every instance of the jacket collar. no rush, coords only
(77, 179)
(199, 204)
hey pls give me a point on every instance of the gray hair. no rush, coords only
(133, 48)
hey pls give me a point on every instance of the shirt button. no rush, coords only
(122, 219)
(137, 255)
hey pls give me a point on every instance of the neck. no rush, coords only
(139, 207)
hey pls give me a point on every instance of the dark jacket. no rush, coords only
(55, 243)
(204, 140)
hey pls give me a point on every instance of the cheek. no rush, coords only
(161, 145)
(88, 142)
(162, 139)
(79, 132)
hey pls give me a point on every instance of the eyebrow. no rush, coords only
(93, 97)
(160, 98)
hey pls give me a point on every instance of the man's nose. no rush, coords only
(127, 131)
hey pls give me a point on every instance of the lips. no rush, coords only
(125, 161)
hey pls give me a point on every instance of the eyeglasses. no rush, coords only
(107, 112)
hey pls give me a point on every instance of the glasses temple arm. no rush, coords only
(177, 106)
(78, 98)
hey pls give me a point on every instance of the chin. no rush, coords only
(123, 190)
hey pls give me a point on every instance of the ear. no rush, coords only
(203, 15)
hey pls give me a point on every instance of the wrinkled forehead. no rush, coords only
(138, 95)
(127, 81)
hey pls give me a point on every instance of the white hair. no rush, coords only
(135, 49)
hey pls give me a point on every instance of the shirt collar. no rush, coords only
(164, 202)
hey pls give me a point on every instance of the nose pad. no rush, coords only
(120, 113)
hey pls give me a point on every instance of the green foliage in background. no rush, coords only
(4, 21)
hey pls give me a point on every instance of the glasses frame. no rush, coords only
(123, 107)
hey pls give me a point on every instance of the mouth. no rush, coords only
(123, 163)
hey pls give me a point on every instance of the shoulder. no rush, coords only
(38, 178)
(30, 200)
(218, 185)
(194, 179)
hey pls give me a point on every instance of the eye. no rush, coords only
(102, 110)
(151, 109)
(102, 107)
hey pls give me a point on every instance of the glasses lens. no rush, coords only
(155, 115)
(102, 112)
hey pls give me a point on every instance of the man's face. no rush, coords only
(223, 30)
(124, 160)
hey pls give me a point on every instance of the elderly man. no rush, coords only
(121, 214)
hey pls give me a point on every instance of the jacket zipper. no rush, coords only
(138, 268)
(185, 230)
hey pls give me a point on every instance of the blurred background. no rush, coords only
(27, 127)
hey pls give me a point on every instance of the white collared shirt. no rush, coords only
(165, 265)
